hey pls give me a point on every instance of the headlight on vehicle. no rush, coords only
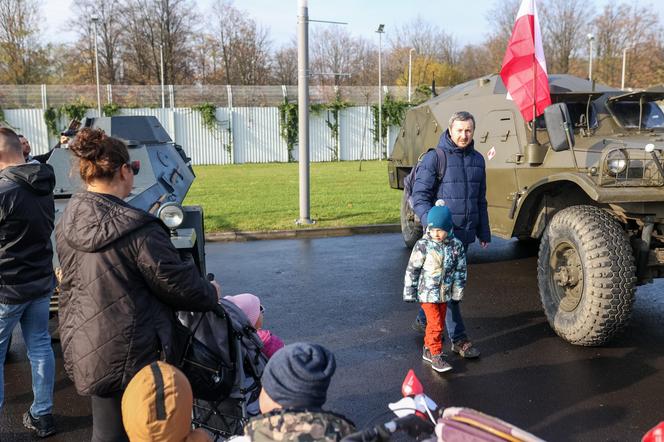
(616, 162)
(171, 214)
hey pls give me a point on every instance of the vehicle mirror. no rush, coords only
(559, 126)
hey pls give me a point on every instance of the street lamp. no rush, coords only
(161, 69)
(380, 32)
(410, 69)
(95, 18)
(590, 37)
(624, 64)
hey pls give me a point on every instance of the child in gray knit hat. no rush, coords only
(297, 376)
(294, 390)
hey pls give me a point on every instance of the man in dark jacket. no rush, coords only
(26, 271)
(463, 188)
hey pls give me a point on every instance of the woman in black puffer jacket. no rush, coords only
(122, 280)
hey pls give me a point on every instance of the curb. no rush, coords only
(302, 233)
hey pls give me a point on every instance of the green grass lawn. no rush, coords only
(266, 196)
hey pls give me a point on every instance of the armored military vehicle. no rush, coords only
(160, 186)
(591, 190)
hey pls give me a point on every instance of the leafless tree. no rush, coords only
(154, 25)
(20, 49)
(631, 27)
(109, 34)
(243, 46)
(284, 65)
(337, 57)
(206, 59)
(564, 23)
(473, 61)
(500, 20)
(427, 39)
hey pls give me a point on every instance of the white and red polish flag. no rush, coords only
(524, 68)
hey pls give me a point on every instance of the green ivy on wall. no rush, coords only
(288, 129)
(51, 120)
(208, 113)
(288, 122)
(110, 109)
(334, 107)
(393, 113)
(422, 94)
(72, 111)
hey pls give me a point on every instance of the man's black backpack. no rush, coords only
(409, 181)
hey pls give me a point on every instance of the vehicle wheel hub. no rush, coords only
(567, 275)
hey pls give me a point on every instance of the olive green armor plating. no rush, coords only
(595, 203)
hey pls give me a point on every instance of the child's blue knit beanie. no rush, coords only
(440, 217)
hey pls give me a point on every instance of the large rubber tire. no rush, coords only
(411, 229)
(586, 275)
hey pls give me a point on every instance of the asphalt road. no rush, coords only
(346, 294)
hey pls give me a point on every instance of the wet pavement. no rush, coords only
(346, 294)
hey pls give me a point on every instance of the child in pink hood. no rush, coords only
(252, 308)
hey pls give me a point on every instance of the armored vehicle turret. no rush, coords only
(160, 186)
(591, 190)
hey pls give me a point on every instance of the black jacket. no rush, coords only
(26, 223)
(121, 281)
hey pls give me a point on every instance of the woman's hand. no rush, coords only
(217, 287)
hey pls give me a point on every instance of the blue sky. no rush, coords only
(465, 20)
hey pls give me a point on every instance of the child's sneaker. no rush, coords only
(439, 364)
(426, 354)
(465, 349)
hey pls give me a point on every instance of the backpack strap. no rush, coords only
(441, 161)
(441, 156)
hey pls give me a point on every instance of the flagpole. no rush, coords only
(534, 135)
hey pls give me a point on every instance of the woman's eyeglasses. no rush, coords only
(262, 309)
(135, 166)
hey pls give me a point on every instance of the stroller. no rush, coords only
(224, 363)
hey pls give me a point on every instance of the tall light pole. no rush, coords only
(622, 81)
(303, 108)
(95, 19)
(591, 37)
(380, 32)
(410, 70)
(161, 69)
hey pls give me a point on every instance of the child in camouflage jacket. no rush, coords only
(436, 274)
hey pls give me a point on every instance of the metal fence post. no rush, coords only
(229, 92)
(44, 104)
(44, 99)
(109, 93)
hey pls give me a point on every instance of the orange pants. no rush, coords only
(433, 338)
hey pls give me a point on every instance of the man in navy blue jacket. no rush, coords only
(463, 188)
